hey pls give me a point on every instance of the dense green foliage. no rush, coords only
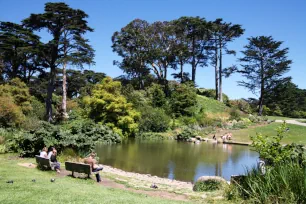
(271, 149)
(286, 99)
(186, 134)
(207, 185)
(183, 99)
(285, 178)
(152, 136)
(15, 103)
(153, 120)
(281, 184)
(107, 105)
(80, 135)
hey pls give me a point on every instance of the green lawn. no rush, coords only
(279, 118)
(296, 133)
(63, 190)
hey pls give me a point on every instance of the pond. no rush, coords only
(178, 160)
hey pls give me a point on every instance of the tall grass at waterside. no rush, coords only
(283, 183)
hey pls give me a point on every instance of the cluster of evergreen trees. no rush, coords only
(148, 51)
(157, 47)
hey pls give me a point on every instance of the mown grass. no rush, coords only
(296, 133)
(63, 190)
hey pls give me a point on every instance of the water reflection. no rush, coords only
(178, 160)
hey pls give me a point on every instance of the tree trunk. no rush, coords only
(220, 74)
(49, 94)
(260, 104)
(182, 71)
(216, 73)
(140, 80)
(193, 61)
(262, 88)
(64, 99)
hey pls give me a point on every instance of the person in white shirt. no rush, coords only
(43, 153)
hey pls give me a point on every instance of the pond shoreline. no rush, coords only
(146, 177)
(144, 182)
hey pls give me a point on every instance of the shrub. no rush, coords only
(271, 149)
(209, 184)
(239, 125)
(235, 115)
(277, 111)
(39, 109)
(205, 121)
(11, 115)
(138, 98)
(247, 121)
(153, 120)
(3, 149)
(152, 136)
(69, 154)
(80, 135)
(241, 105)
(183, 99)
(30, 123)
(157, 95)
(107, 106)
(258, 119)
(19, 91)
(187, 121)
(186, 134)
(266, 110)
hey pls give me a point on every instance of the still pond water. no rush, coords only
(178, 160)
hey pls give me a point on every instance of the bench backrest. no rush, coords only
(77, 167)
(43, 162)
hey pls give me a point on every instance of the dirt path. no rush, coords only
(295, 122)
(154, 193)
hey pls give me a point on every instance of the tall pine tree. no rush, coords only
(66, 25)
(263, 65)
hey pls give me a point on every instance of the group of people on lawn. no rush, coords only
(52, 153)
(227, 136)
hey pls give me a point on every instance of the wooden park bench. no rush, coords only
(43, 163)
(79, 168)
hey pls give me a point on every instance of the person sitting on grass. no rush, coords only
(54, 163)
(229, 136)
(43, 153)
(93, 164)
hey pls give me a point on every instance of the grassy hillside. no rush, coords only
(212, 107)
(296, 134)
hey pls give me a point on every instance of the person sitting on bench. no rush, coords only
(44, 153)
(54, 163)
(94, 167)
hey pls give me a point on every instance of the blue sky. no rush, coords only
(283, 19)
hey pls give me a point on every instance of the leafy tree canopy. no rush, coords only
(106, 105)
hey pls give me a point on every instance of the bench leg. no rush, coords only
(72, 173)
